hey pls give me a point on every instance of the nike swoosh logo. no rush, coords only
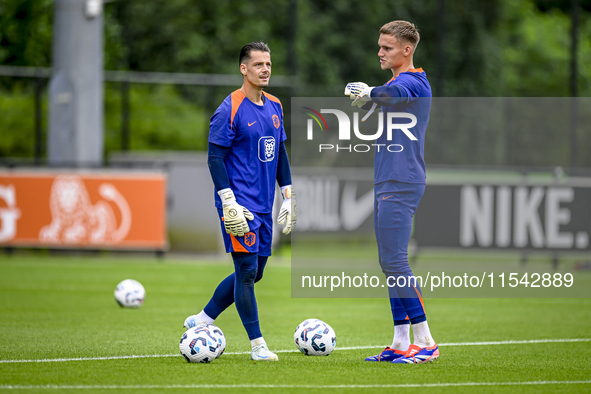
(386, 197)
(250, 124)
(355, 211)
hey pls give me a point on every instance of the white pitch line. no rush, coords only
(515, 342)
(490, 343)
(291, 386)
(57, 360)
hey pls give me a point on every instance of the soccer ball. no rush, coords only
(219, 336)
(199, 344)
(315, 338)
(130, 293)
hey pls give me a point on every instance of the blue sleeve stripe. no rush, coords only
(283, 170)
(217, 168)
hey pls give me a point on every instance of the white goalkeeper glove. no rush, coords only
(235, 215)
(288, 214)
(359, 92)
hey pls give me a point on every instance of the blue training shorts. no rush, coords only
(257, 240)
(394, 207)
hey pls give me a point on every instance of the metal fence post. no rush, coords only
(38, 120)
(125, 115)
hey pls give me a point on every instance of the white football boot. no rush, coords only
(192, 321)
(262, 353)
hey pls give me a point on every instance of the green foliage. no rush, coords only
(564, 5)
(191, 35)
(159, 119)
(25, 32)
(485, 48)
(18, 127)
(466, 47)
(335, 41)
(345, 33)
(536, 55)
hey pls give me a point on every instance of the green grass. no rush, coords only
(63, 307)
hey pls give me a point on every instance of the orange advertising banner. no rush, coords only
(91, 210)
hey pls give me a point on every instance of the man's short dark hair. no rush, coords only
(403, 31)
(253, 46)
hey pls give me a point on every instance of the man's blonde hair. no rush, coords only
(403, 31)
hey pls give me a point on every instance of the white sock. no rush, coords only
(257, 341)
(203, 317)
(401, 339)
(422, 334)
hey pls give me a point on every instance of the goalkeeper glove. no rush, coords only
(235, 215)
(288, 214)
(359, 92)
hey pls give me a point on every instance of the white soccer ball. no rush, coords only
(130, 294)
(199, 344)
(315, 338)
(219, 336)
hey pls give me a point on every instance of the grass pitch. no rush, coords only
(62, 331)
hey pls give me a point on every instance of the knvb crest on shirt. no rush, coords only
(266, 149)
